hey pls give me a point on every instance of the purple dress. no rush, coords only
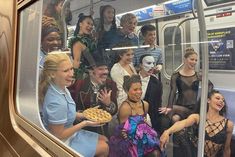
(142, 138)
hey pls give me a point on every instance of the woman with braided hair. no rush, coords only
(82, 45)
(53, 9)
(50, 38)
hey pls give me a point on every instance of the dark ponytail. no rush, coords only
(81, 17)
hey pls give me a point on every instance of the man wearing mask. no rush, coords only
(152, 91)
(96, 90)
(149, 35)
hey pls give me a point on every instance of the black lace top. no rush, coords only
(187, 87)
(215, 137)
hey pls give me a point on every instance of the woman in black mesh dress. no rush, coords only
(184, 85)
(218, 129)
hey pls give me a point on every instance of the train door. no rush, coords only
(172, 50)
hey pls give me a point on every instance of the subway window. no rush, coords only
(106, 77)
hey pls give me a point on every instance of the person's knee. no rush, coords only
(103, 138)
(155, 153)
(102, 149)
(175, 118)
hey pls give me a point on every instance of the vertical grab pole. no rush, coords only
(91, 8)
(64, 23)
(204, 48)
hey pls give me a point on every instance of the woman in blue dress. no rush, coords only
(59, 109)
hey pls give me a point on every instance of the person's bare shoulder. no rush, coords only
(230, 126)
(124, 112)
(125, 108)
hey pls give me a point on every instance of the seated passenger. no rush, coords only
(96, 90)
(152, 89)
(59, 109)
(149, 34)
(133, 137)
(218, 129)
(122, 67)
(184, 88)
(82, 45)
(186, 82)
(50, 38)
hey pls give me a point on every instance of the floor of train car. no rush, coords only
(5, 148)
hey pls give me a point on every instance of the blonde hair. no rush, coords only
(52, 61)
(127, 17)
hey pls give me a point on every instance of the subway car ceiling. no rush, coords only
(121, 6)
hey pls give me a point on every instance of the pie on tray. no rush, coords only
(97, 115)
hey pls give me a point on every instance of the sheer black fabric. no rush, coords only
(183, 101)
(183, 147)
(187, 87)
(215, 137)
(185, 141)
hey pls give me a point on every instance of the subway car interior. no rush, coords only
(180, 55)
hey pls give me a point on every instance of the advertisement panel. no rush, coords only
(221, 48)
(178, 6)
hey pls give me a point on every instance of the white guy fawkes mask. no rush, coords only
(148, 63)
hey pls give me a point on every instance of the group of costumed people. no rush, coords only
(133, 94)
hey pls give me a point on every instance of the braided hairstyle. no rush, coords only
(48, 25)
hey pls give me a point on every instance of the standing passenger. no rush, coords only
(125, 34)
(107, 21)
(50, 38)
(128, 24)
(149, 34)
(59, 109)
(54, 10)
(82, 45)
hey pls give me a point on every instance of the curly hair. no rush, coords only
(129, 80)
